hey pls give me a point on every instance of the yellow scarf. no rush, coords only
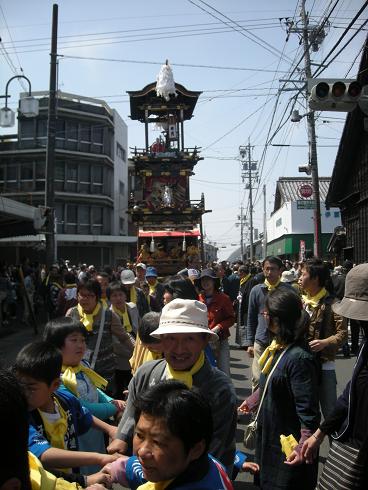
(57, 285)
(124, 317)
(142, 354)
(105, 303)
(56, 431)
(41, 479)
(70, 286)
(152, 287)
(244, 279)
(185, 376)
(87, 318)
(160, 485)
(313, 301)
(270, 286)
(266, 359)
(133, 295)
(69, 377)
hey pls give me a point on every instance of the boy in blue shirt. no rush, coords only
(56, 416)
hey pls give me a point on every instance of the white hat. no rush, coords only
(141, 265)
(288, 276)
(193, 273)
(183, 316)
(127, 277)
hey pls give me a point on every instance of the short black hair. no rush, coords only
(14, 414)
(39, 360)
(92, 286)
(58, 329)
(116, 286)
(317, 268)
(103, 274)
(186, 412)
(272, 259)
(244, 269)
(285, 307)
(150, 322)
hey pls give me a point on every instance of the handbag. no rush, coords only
(250, 430)
(344, 468)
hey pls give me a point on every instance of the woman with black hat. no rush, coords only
(221, 316)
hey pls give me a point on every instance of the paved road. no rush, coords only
(14, 338)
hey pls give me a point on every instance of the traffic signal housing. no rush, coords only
(333, 94)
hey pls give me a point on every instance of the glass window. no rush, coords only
(327, 214)
(72, 213)
(97, 174)
(2, 173)
(84, 173)
(71, 172)
(72, 130)
(59, 216)
(84, 215)
(85, 132)
(26, 171)
(27, 129)
(40, 170)
(336, 214)
(11, 172)
(42, 128)
(60, 128)
(97, 220)
(98, 134)
(60, 171)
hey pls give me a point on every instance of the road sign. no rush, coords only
(305, 204)
(305, 190)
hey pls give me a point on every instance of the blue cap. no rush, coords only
(151, 272)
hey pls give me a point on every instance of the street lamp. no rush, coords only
(28, 105)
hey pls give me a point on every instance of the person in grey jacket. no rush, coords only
(184, 333)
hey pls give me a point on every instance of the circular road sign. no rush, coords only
(306, 190)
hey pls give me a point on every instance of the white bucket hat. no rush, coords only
(354, 304)
(183, 316)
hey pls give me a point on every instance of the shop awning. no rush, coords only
(163, 233)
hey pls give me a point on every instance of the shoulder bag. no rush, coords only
(251, 429)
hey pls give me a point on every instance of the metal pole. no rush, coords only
(312, 142)
(50, 149)
(241, 233)
(201, 241)
(264, 223)
(250, 202)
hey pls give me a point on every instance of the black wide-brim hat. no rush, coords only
(208, 273)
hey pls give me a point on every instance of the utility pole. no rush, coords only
(264, 223)
(50, 149)
(312, 140)
(241, 233)
(249, 168)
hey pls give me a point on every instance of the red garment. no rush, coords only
(220, 313)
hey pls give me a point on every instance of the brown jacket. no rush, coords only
(325, 324)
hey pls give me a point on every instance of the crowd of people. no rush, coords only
(130, 382)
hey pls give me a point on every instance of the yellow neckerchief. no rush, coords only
(270, 286)
(265, 361)
(70, 286)
(160, 485)
(105, 303)
(57, 285)
(313, 301)
(244, 279)
(142, 354)
(42, 479)
(124, 317)
(133, 295)
(87, 318)
(152, 287)
(69, 377)
(185, 376)
(56, 431)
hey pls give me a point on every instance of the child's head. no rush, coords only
(38, 367)
(117, 294)
(14, 473)
(69, 336)
(150, 322)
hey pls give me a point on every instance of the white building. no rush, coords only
(291, 221)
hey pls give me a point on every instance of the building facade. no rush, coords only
(90, 179)
(290, 227)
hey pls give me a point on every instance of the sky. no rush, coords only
(234, 51)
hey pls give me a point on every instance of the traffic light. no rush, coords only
(334, 95)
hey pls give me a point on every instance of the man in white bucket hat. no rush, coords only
(184, 333)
